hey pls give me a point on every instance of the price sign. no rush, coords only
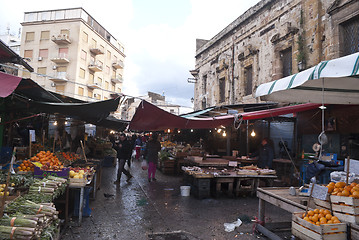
(319, 192)
(232, 163)
(353, 166)
(33, 135)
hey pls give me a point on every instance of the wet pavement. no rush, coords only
(156, 210)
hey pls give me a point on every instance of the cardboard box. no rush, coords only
(38, 173)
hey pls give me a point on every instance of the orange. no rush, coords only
(316, 210)
(326, 211)
(330, 222)
(340, 184)
(345, 193)
(336, 221)
(310, 213)
(323, 220)
(330, 188)
(315, 218)
(328, 216)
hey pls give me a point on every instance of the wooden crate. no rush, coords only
(345, 208)
(325, 204)
(308, 231)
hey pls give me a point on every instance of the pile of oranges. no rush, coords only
(26, 166)
(341, 189)
(47, 159)
(320, 217)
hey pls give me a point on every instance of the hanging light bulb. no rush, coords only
(179, 131)
(210, 131)
(253, 134)
(55, 123)
(191, 130)
(66, 122)
(168, 130)
(219, 130)
(224, 134)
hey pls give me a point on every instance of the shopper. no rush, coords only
(123, 148)
(153, 146)
(138, 145)
(265, 154)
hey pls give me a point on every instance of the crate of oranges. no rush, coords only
(318, 224)
(25, 167)
(345, 200)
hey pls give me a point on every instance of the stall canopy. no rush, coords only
(278, 111)
(148, 117)
(27, 95)
(7, 55)
(334, 82)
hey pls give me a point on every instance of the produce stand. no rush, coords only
(201, 180)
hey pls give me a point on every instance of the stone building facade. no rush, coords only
(271, 40)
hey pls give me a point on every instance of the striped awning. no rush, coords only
(333, 82)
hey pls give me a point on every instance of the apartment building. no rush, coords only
(72, 54)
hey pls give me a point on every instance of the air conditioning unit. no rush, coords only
(39, 59)
(53, 84)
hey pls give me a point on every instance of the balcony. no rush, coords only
(96, 50)
(117, 79)
(94, 85)
(60, 59)
(95, 67)
(60, 77)
(118, 64)
(61, 39)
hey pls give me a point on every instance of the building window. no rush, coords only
(99, 80)
(30, 36)
(286, 57)
(115, 59)
(28, 54)
(107, 71)
(248, 75)
(108, 55)
(91, 78)
(113, 87)
(113, 74)
(65, 31)
(102, 48)
(90, 93)
(45, 35)
(83, 55)
(85, 37)
(100, 63)
(172, 111)
(222, 90)
(204, 84)
(82, 73)
(81, 91)
(43, 53)
(106, 85)
(98, 96)
(118, 90)
(60, 88)
(93, 43)
(350, 36)
(105, 98)
(63, 52)
(41, 70)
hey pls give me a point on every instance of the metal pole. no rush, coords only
(247, 137)
(229, 142)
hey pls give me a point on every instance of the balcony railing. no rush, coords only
(96, 51)
(61, 58)
(117, 79)
(94, 85)
(118, 64)
(60, 77)
(61, 39)
(95, 66)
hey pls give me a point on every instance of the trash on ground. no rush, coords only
(229, 227)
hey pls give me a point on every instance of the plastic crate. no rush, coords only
(86, 210)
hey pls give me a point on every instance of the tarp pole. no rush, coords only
(229, 142)
(247, 134)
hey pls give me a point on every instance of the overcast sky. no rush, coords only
(159, 36)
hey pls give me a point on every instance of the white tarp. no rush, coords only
(338, 77)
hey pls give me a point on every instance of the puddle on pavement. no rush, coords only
(178, 235)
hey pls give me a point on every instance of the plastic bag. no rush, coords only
(229, 227)
(144, 165)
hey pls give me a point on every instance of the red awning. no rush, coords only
(148, 117)
(8, 84)
(279, 111)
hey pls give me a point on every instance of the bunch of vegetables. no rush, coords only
(67, 157)
(53, 186)
(17, 180)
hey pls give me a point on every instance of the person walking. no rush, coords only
(138, 145)
(153, 146)
(123, 148)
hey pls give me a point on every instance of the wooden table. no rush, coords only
(279, 197)
(209, 162)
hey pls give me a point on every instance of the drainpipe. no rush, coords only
(320, 31)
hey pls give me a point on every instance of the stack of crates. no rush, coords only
(201, 187)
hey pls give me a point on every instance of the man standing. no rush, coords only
(123, 148)
(265, 154)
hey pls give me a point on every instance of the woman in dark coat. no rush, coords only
(151, 155)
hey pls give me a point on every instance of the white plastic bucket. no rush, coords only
(185, 191)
